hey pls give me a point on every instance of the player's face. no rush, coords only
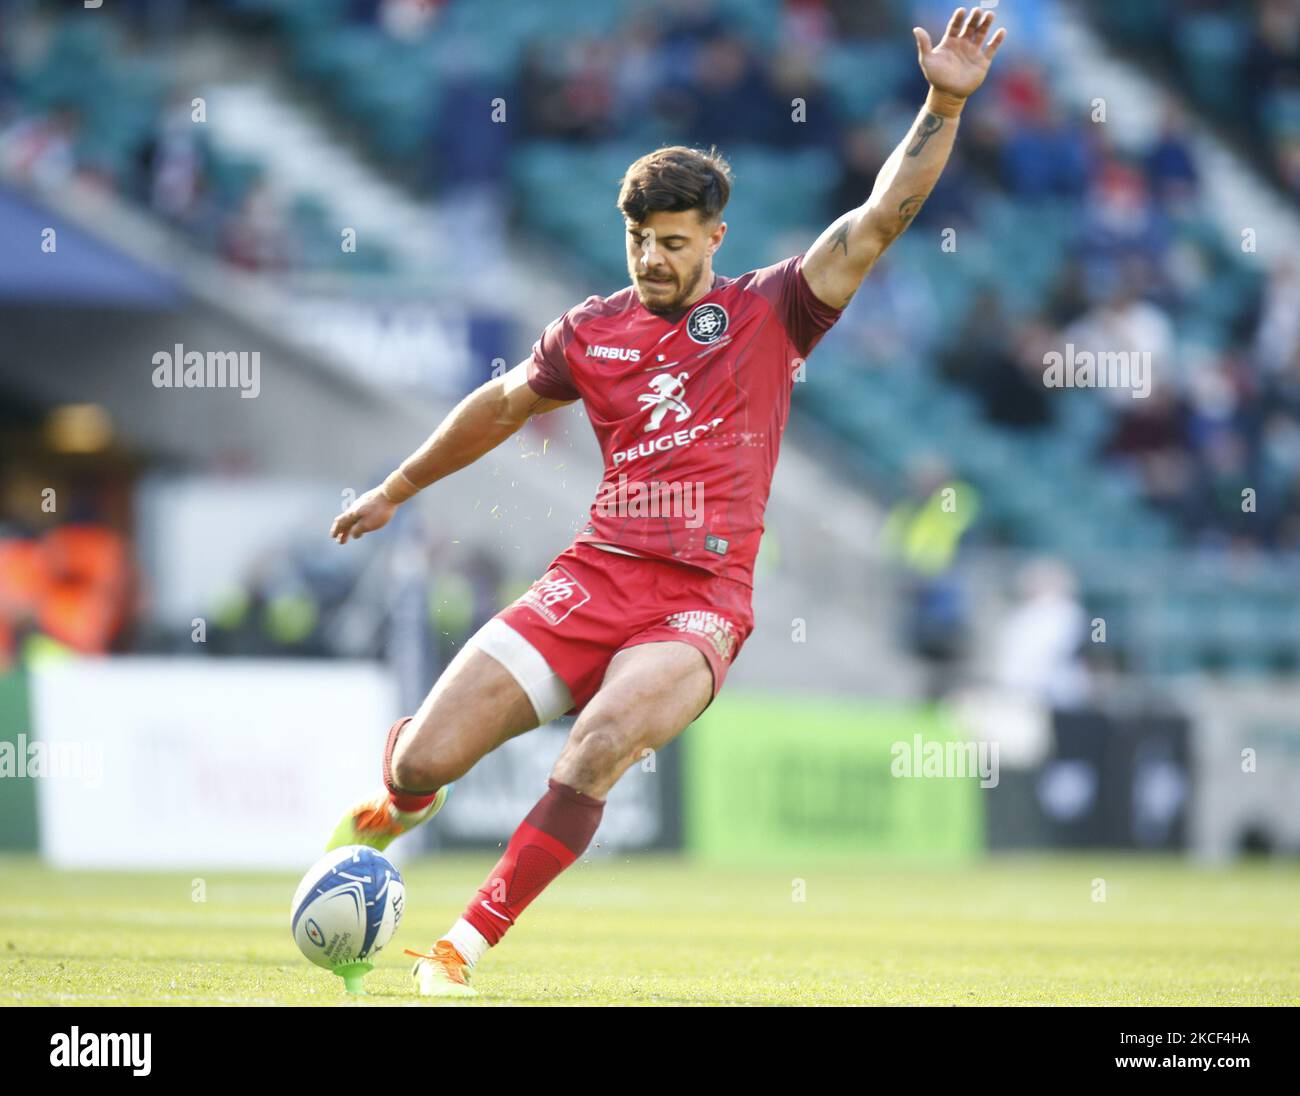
(670, 258)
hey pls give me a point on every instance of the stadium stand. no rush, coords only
(1061, 236)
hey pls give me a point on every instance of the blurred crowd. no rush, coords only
(1238, 62)
(1143, 267)
(164, 163)
(68, 580)
(106, 104)
(1141, 256)
(73, 586)
(1144, 270)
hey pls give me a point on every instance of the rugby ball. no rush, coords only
(347, 906)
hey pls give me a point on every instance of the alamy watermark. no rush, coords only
(181, 368)
(629, 498)
(948, 758)
(116, 1050)
(1130, 369)
(34, 759)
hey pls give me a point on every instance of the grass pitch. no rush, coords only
(631, 931)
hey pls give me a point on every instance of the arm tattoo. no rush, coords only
(930, 125)
(908, 209)
(841, 238)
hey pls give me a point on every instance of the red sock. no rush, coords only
(551, 838)
(403, 801)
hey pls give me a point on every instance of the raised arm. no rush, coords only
(836, 264)
(476, 425)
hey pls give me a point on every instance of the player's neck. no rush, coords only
(706, 287)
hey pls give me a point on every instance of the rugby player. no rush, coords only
(686, 377)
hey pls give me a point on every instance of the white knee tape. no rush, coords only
(545, 688)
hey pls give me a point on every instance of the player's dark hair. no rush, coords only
(674, 179)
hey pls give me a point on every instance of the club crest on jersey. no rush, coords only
(668, 394)
(555, 595)
(707, 323)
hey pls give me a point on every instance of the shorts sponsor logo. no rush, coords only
(555, 595)
(718, 630)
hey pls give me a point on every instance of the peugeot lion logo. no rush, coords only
(669, 395)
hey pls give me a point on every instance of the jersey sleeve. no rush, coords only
(548, 369)
(805, 317)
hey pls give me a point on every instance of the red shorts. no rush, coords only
(590, 604)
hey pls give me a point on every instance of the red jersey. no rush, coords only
(688, 407)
